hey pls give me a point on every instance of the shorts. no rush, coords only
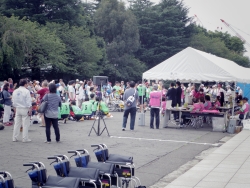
(141, 99)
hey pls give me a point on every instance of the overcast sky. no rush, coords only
(234, 12)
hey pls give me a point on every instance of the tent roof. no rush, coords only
(194, 65)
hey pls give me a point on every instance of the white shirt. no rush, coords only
(73, 91)
(77, 88)
(62, 89)
(21, 98)
(81, 93)
(219, 90)
(37, 87)
(228, 94)
(240, 92)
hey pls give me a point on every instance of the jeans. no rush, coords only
(132, 112)
(154, 112)
(54, 122)
(21, 119)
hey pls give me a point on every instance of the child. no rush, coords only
(208, 104)
(87, 108)
(75, 111)
(163, 106)
(103, 108)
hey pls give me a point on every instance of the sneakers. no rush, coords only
(47, 142)
(28, 140)
(123, 129)
(65, 120)
(15, 140)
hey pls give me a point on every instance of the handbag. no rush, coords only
(43, 106)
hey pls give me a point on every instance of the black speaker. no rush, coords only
(100, 80)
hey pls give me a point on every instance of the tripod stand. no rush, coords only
(99, 116)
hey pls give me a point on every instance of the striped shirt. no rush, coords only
(54, 101)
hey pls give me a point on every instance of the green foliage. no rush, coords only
(27, 45)
(231, 42)
(83, 51)
(163, 30)
(118, 27)
(216, 46)
(42, 11)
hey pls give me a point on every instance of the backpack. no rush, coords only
(1, 98)
(130, 100)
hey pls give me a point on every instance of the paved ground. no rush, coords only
(226, 167)
(156, 152)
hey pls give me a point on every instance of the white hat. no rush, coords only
(37, 82)
(214, 86)
(228, 86)
(238, 87)
(81, 82)
(77, 80)
(202, 85)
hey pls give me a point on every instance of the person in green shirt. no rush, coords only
(64, 111)
(141, 88)
(103, 108)
(77, 112)
(117, 89)
(87, 107)
(94, 105)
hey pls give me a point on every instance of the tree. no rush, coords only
(42, 11)
(118, 27)
(163, 30)
(83, 51)
(217, 47)
(27, 46)
(231, 42)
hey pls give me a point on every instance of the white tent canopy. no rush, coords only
(193, 65)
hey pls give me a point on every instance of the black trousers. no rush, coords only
(54, 122)
(154, 112)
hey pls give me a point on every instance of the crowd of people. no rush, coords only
(81, 100)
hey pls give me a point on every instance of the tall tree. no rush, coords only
(118, 27)
(83, 51)
(42, 11)
(27, 46)
(215, 45)
(163, 29)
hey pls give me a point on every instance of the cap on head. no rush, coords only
(228, 86)
(37, 82)
(202, 85)
(81, 82)
(77, 80)
(238, 87)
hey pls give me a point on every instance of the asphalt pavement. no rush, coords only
(156, 152)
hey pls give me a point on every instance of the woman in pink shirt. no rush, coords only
(155, 104)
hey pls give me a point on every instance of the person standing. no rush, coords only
(23, 108)
(142, 94)
(7, 105)
(131, 109)
(228, 94)
(178, 98)
(171, 94)
(51, 113)
(41, 93)
(72, 91)
(155, 104)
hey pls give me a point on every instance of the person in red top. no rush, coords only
(200, 95)
(43, 92)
